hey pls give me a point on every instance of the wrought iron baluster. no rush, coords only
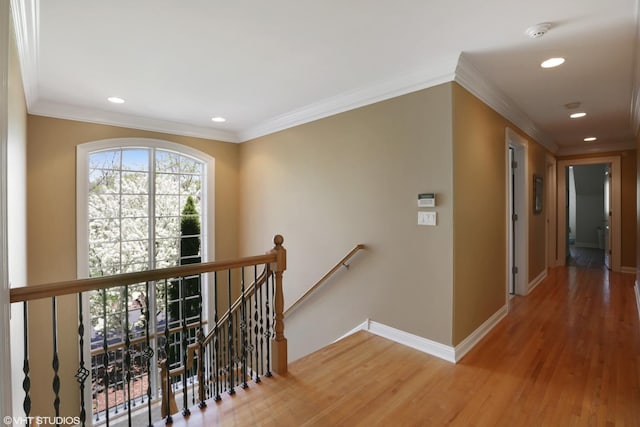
(249, 318)
(243, 328)
(201, 351)
(127, 355)
(262, 324)
(105, 358)
(210, 372)
(26, 382)
(167, 349)
(256, 331)
(185, 344)
(209, 350)
(235, 348)
(216, 339)
(230, 335)
(192, 373)
(82, 374)
(56, 361)
(148, 352)
(267, 332)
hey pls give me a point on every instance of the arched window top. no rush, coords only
(131, 186)
(106, 144)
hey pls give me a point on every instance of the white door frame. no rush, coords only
(551, 212)
(5, 306)
(519, 145)
(616, 215)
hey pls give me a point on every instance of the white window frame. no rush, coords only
(5, 307)
(82, 236)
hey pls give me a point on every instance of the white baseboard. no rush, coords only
(414, 341)
(628, 270)
(442, 351)
(405, 338)
(637, 289)
(472, 340)
(364, 326)
(535, 282)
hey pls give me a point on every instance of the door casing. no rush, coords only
(521, 205)
(616, 215)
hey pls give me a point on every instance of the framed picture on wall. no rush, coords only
(537, 194)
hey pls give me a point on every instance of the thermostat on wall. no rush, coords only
(426, 200)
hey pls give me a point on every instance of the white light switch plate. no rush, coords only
(426, 218)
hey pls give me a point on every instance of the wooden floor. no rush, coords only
(566, 355)
(586, 257)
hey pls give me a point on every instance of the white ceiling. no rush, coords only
(266, 66)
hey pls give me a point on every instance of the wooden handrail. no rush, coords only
(341, 263)
(47, 290)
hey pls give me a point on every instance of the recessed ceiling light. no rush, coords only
(552, 62)
(590, 139)
(577, 115)
(218, 119)
(115, 100)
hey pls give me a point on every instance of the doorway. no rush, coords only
(517, 212)
(607, 232)
(588, 215)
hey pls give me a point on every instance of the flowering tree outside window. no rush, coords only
(144, 211)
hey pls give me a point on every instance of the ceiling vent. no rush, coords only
(538, 31)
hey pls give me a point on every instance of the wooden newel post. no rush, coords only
(279, 342)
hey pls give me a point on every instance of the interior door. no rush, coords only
(512, 225)
(607, 217)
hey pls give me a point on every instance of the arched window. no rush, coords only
(141, 204)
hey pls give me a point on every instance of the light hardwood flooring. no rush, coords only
(566, 355)
(586, 257)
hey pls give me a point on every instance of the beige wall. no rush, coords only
(628, 172)
(16, 215)
(480, 216)
(354, 178)
(537, 165)
(51, 162)
(629, 203)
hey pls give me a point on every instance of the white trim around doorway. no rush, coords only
(521, 259)
(616, 215)
(551, 179)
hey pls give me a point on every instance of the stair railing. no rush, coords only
(338, 266)
(245, 342)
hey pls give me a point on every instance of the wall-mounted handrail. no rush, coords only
(340, 264)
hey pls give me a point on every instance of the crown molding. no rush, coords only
(470, 78)
(595, 147)
(436, 73)
(82, 114)
(26, 15)
(635, 93)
